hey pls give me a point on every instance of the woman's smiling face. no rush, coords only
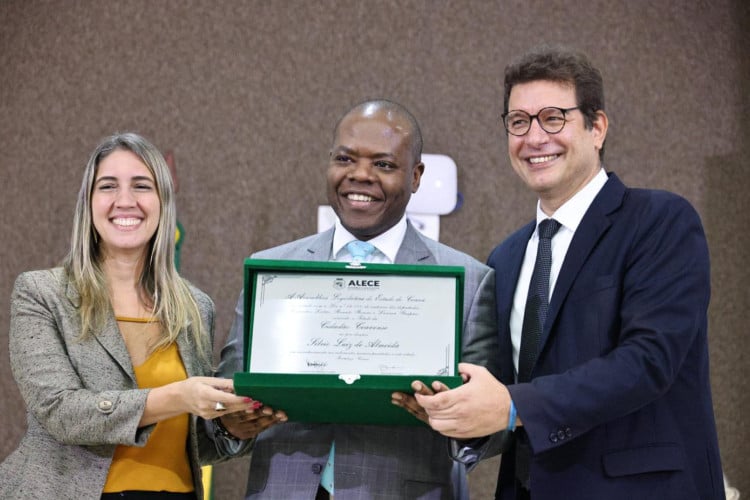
(125, 204)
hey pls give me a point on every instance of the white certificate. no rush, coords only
(360, 323)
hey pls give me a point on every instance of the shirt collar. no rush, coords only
(570, 214)
(387, 243)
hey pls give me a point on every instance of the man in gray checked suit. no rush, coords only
(375, 166)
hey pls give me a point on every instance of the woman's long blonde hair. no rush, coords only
(159, 285)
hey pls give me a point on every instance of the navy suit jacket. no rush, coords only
(619, 405)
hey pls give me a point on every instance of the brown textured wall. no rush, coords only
(246, 93)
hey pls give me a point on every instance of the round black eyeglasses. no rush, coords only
(551, 119)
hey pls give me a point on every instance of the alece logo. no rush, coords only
(363, 283)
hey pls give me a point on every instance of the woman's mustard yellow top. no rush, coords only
(163, 464)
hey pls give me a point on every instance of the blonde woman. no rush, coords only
(111, 351)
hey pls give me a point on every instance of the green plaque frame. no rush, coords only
(364, 398)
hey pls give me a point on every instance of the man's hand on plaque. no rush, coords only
(409, 402)
(248, 424)
(478, 408)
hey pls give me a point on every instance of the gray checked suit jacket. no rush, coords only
(81, 397)
(371, 462)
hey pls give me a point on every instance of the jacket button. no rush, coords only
(568, 432)
(561, 434)
(553, 437)
(316, 468)
(105, 405)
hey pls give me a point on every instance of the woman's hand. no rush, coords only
(196, 395)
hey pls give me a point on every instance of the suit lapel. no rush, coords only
(109, 337)
(593, 226)
(413, 250)
(111, 340)
(321, 248)
(189, 359)
(509, 268)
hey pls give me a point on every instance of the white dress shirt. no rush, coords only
(569, 215)
(386, 244)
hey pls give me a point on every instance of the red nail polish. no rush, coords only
(247, 400)
(257, 405)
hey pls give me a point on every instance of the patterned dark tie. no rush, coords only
(537, 303)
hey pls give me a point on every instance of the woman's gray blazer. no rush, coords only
(81, 397)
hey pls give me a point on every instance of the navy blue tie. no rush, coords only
(537, 301)
(537, 304)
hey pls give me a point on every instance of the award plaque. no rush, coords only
(330, 341)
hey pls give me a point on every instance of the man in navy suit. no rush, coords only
(617, 400)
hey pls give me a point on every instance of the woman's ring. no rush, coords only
(220, 406)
